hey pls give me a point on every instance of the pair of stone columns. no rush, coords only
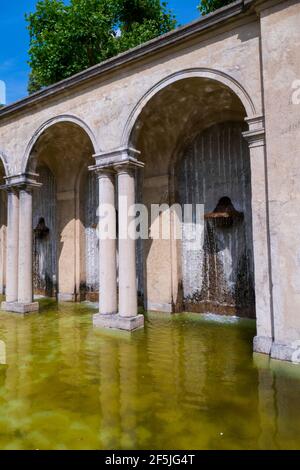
(122, 315)
(19, 289)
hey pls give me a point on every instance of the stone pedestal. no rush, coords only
(65, 297)
(17, 307)
(262, 344)
(118, 322)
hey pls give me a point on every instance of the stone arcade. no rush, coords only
(207, 113)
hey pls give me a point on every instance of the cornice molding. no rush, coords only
(117, 158)
(21, 181)
(255, 136)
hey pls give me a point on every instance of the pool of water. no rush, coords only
(185, 382)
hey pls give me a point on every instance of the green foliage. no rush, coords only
(68, 38)
(207, 6)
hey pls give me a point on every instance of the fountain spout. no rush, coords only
(41, 230)
(224, 215)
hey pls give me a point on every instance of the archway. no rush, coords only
(179, 132)
(60, 154)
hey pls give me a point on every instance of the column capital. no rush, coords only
(103, 172)
(114, 158)
(255, 136)
(20, 181)
(128, 166)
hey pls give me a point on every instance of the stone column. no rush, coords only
(12, 251)
(25, 287)
(107, 244)
(128, 306)
(263, 294)
(127, 318)
(127, 253)
(3, 225)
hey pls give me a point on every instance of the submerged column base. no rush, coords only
(277, 350)
(66, 297)
(118, 322)
(262, 344)
(17, 307)
(285, 352)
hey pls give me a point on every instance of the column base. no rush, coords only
(262, 344)
(17, 307)
(285, 352)
(65, 297)
(277, 350)
(154, 307)
(118, 322)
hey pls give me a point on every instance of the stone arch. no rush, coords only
(172, 114)
(63, 145)
(67, 118)
(212, 74)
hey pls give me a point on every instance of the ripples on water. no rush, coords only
(185, 382)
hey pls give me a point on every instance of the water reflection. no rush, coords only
(2, 353)
(185, 382)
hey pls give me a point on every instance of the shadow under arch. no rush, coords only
(60, 151)
(63, 118)
(215, 75)
(4, 161)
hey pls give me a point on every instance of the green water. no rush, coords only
(185, 382)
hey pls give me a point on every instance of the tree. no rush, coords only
(68, 38)
(207, 6)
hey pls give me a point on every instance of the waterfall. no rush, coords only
(218, 276)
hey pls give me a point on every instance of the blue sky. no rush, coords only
(14, 40)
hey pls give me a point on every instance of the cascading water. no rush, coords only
(91, 239)
(214, 170)
(44, 236)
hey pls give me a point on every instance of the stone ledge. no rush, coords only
(262, 344)
(16, 307)
(118, 322)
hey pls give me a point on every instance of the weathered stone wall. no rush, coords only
(281, 67)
